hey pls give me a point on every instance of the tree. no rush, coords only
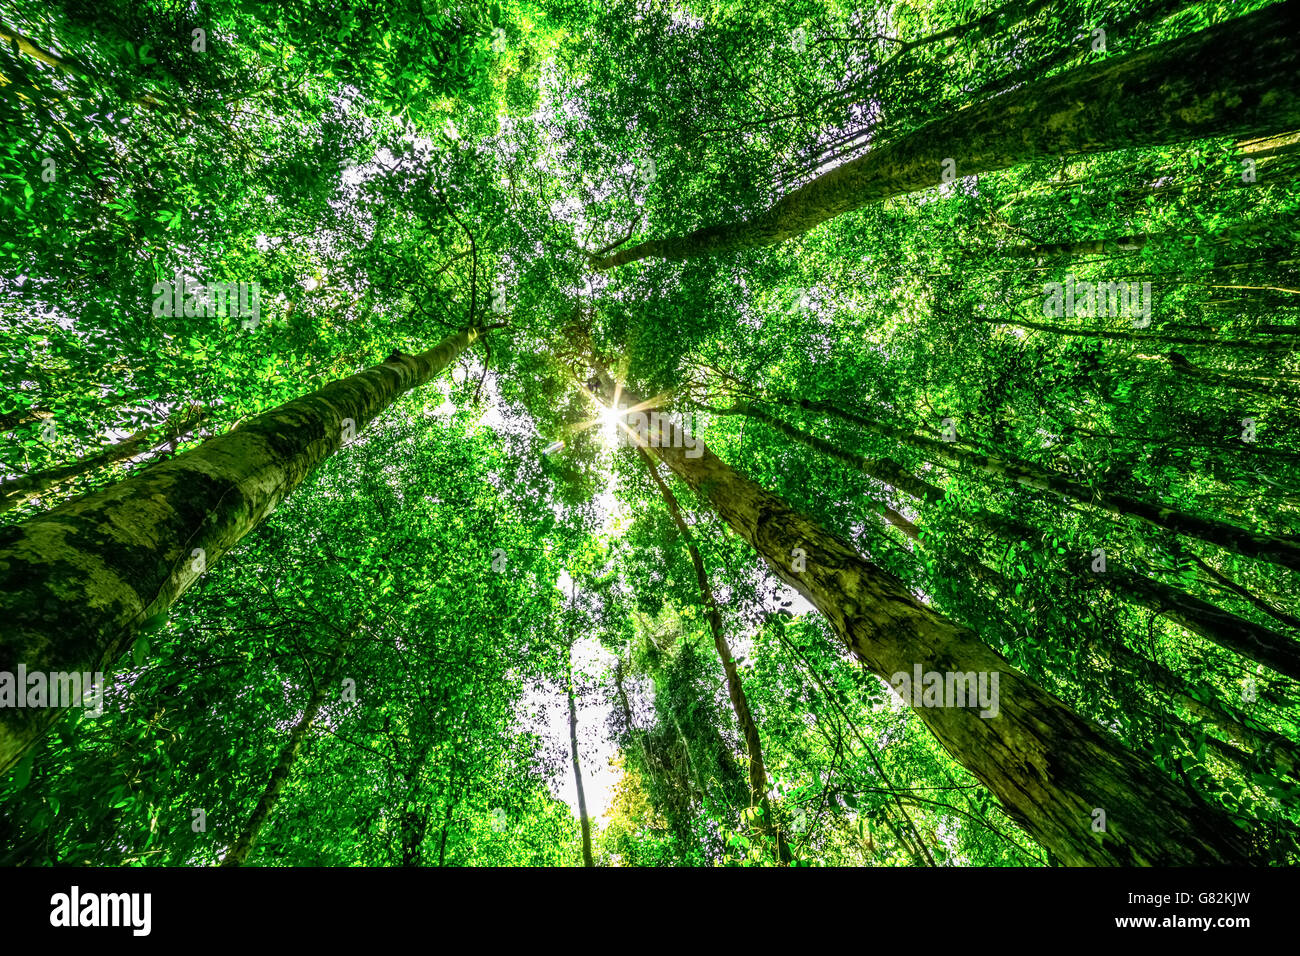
(735, 689)
(139, 544)
(1109, 105)
(1077, 768)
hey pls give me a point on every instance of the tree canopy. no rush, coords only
(553, 433)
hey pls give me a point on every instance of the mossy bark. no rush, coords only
(1237, 78)
(1051, 768)
(77, 582)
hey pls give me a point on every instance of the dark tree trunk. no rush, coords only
(1278, 549)
(243, 844)
(735, 689)
(1237, 78)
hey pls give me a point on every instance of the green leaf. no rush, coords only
(23, 772)
(141, 649)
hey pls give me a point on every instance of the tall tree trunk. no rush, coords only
(577, 766)
(1275, 225)
(1144, 338)
(915, 846)
(446, 826)
(633, 731)
(1229, 631)
(1082, 247)
(735, 689)
(691, 771)
(1237, 78)
(1050, 768)
(18, 491)
(1273, 749)
(1278, 549)
(243, 844)
(415, 815)
(77, 582)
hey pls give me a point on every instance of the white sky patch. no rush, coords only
(595, 748)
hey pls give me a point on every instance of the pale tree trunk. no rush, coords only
(243, 844)
(577, 766)
(1237, 78)
(735, 689)
(1050, 768)
(77, 582)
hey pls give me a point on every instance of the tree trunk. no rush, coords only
(884, 470)
(18, 491)
(1274, 749)
(11, 420)
(78, 581)
(1083, 247)
(1049, 767)
(1237, 78)
(577, 767)
(415, 815)
(1277, 549)
(633, 731)
(446, 826)
(1229, 631)
(1146, 338)
(735, 689)
(243, 844)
